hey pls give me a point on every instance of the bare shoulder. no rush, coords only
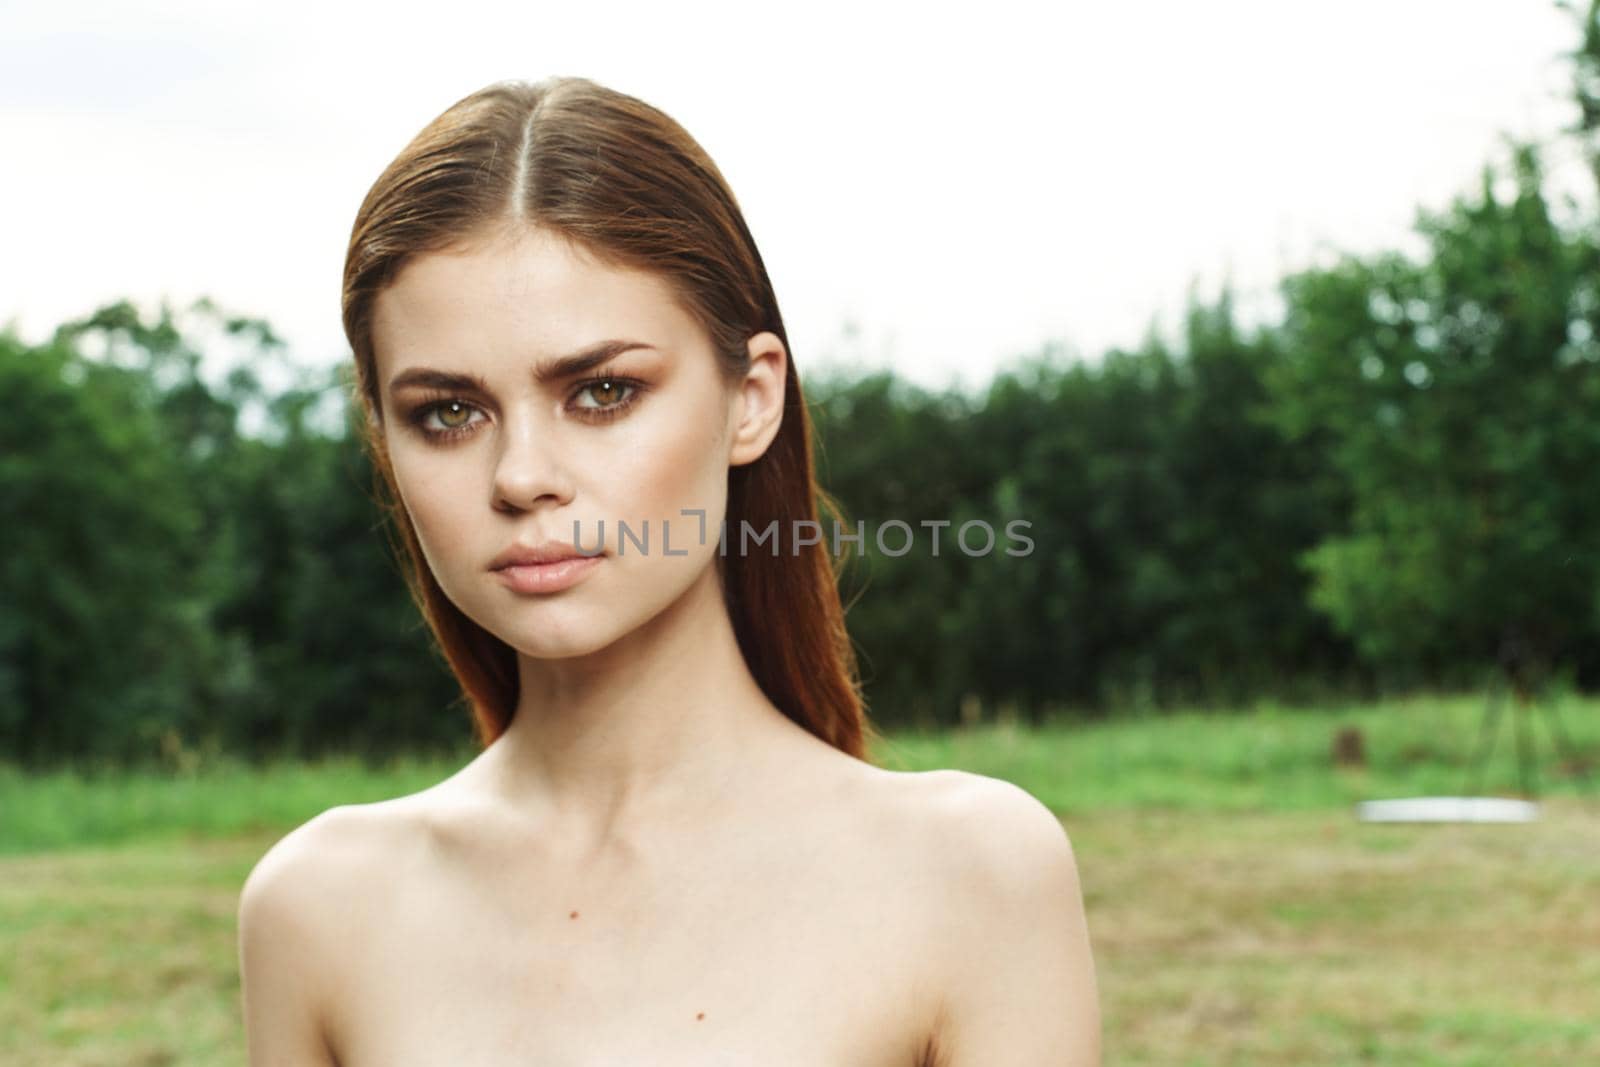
(326, 871)
(998, 879)
(295, 912)
(989, 835)
(302, 863)
(298, 890)
(970, 845)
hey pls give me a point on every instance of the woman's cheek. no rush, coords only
(432, 505)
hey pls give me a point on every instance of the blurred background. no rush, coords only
(1278, 324)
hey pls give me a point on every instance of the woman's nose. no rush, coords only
(528, 467)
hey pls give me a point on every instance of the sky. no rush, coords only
(940, 193)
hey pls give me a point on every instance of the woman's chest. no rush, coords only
(773, 965)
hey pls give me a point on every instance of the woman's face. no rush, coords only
(493, 447)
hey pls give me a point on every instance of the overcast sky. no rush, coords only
(963, 188)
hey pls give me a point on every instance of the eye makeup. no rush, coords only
(430, 404)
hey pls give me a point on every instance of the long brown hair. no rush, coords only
(627, 183)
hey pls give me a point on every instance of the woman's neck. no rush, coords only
(646, 731)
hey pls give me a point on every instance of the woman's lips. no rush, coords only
(547, 577)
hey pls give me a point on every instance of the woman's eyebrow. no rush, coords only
(546, 372)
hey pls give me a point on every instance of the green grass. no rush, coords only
(1240, 914)
(68, 809)
(1267, 759)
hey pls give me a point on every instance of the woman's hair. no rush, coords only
(629, 185)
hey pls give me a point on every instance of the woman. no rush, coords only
(672, 849)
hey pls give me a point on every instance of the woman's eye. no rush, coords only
(448, 417)
(454, 418)
(607, 393)
(598, 399)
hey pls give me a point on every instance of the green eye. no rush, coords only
(454, 417)
(460, 409)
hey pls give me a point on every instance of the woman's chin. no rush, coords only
(546, 650)
(566, 631)
(560, 641)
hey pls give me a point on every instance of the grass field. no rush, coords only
(1240, 913)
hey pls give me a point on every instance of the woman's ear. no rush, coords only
(759, 408)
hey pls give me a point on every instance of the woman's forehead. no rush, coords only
(532, 293)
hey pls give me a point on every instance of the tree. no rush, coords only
(102, 616)
(1460, 393)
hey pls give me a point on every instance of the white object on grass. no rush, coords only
(1448, 809)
